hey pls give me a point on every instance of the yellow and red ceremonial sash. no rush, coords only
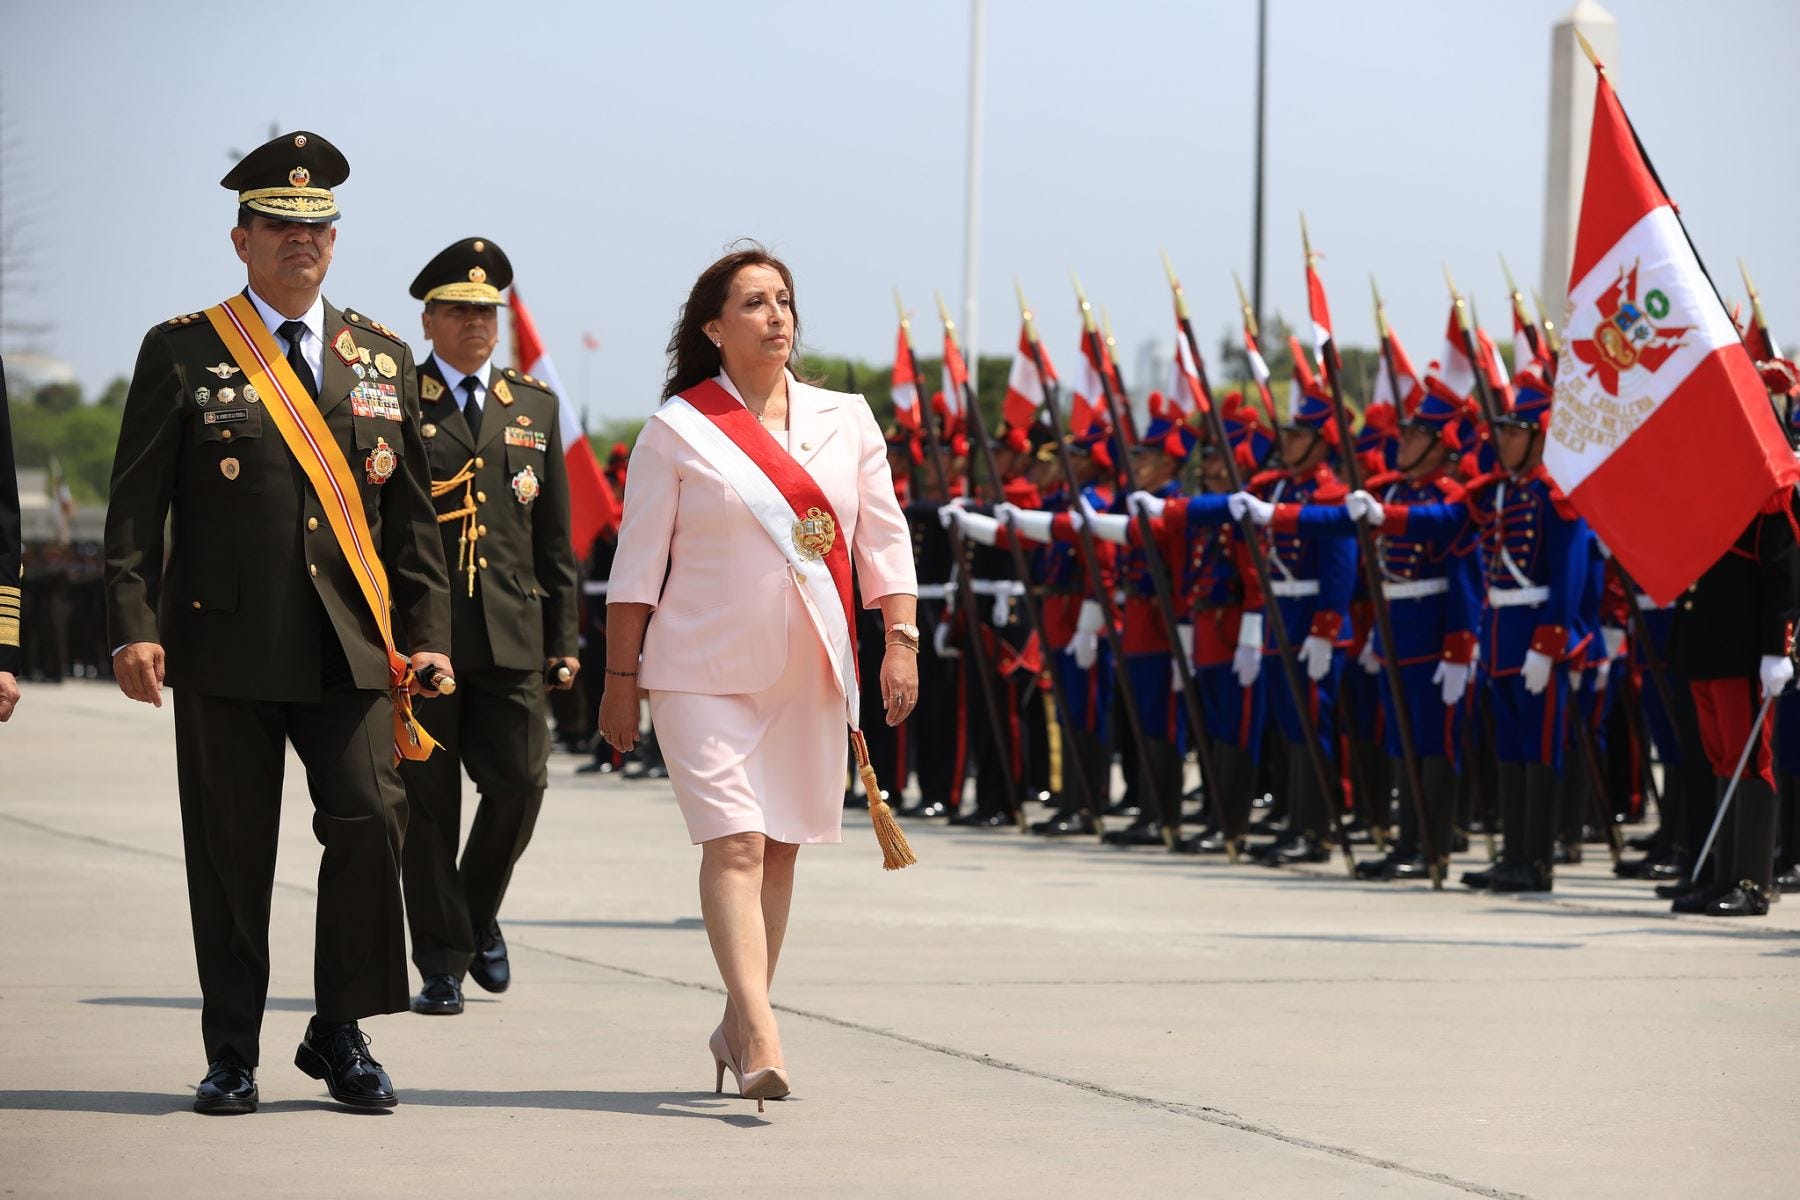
(309, 440)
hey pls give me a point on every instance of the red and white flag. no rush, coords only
(1405, 393)
(1452, 367)
(1025, 384)
(1184, 394)
(956, 375)
(1089, 401)
(592, 504)
(905, 385)
(1320, 312)
(1655, 394)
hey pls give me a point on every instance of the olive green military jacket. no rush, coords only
(525, 596)
(250, 544)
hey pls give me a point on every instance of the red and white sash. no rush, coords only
(780, 494)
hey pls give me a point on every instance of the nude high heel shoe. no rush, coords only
(770, 1083)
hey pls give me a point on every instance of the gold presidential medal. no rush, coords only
(525, 486)
(382, 460)
(814, 535)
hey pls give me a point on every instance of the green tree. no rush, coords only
(113, 395)
(58, 397)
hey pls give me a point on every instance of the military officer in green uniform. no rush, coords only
(493, 442)
(278, 434)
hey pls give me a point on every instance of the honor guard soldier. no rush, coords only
(940, 721)
(278, 435)
(1228, 625)
(1312, 579)
(494, 444)
(1536, 554)
(1149, 670)
(1433, 586)
(12, 565)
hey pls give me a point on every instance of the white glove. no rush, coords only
(1144, 502)
(1111, 527)
(1454, 678)
(1367, 659)
(1246, 660)
(940, 642)
(1365, 508)
(977, 528)
(1244, 504)
(947, 514)
(1186, 634)
(1777, 671)
(1085, 645)
(1600, 676)
(1536, 671)
(1614, 637)
(1315, 656)
(1032, 523)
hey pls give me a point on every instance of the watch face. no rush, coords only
(911, 631)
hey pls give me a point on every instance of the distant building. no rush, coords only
(27, 372)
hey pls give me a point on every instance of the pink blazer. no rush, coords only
(690, 547)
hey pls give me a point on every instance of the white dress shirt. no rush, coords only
(312, 342)
(453, 380)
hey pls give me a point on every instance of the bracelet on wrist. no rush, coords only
(627, 674)
(906, 642)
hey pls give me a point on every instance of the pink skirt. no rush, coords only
(771, 762)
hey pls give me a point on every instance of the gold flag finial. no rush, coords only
(1381, 322)
(1087, 310)
(1244, 304)
(1552, 338)
(1512, 288)
(1457, 301)
(900, 307)
(1025, 312)
(944, 315)
(1588, 49)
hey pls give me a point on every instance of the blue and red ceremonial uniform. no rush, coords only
(1222, 588)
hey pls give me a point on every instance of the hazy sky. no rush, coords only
(613, 149)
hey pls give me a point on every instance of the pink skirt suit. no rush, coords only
(747, 711)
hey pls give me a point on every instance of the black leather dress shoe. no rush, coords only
(1700, 899)
(1744, 900)
(228, 1089)
(977, 819)
(1788, 881)
(1300, 850)
(1479, 879)
(339, 1055)
(441, 996)
(1376, 868)
(490, 968)
(924, 810)
(1122, 808)
(1065, 824)
(1681, 888)
(1142, 833)
(1522, 878)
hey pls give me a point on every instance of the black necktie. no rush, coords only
(293, 331)
(472, 406)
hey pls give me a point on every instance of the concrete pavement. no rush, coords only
(1011, 1017)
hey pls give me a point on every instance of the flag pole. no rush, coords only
(972, 187)
(1252, 537)
(1160, 584)
(1021, 569)
(1253, 328)
(1384, 622)
(964, 585)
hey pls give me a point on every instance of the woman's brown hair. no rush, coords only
(692, 356)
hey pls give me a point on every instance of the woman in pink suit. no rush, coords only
(721, 608)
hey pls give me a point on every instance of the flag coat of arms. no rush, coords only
(1655, 394)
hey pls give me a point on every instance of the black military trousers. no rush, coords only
(939, 723)
(887, 744)
(495, 725)
(230, 756)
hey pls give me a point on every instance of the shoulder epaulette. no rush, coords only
(185, 319)
(363, 322)
(1382, 479)
(1264, 478)
(514, 375)
(1452, 490)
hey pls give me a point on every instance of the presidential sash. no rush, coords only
(798, 517)
(309, 440)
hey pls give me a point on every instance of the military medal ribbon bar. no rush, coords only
(309, 440)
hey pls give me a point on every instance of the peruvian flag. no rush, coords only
(1184, 394)
(1655, 394)
(1025, 384)
(1320, 311)
(1089, 403)
(1404, 395)
(1453, 368)
(905, 385)
(592, 505)
(956, 375)
(1259, 371)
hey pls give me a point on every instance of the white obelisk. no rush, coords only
(1571, 119)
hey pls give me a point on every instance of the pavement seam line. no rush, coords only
(1197, 1112)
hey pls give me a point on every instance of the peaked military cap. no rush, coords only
(290, 179)
(472, 271)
